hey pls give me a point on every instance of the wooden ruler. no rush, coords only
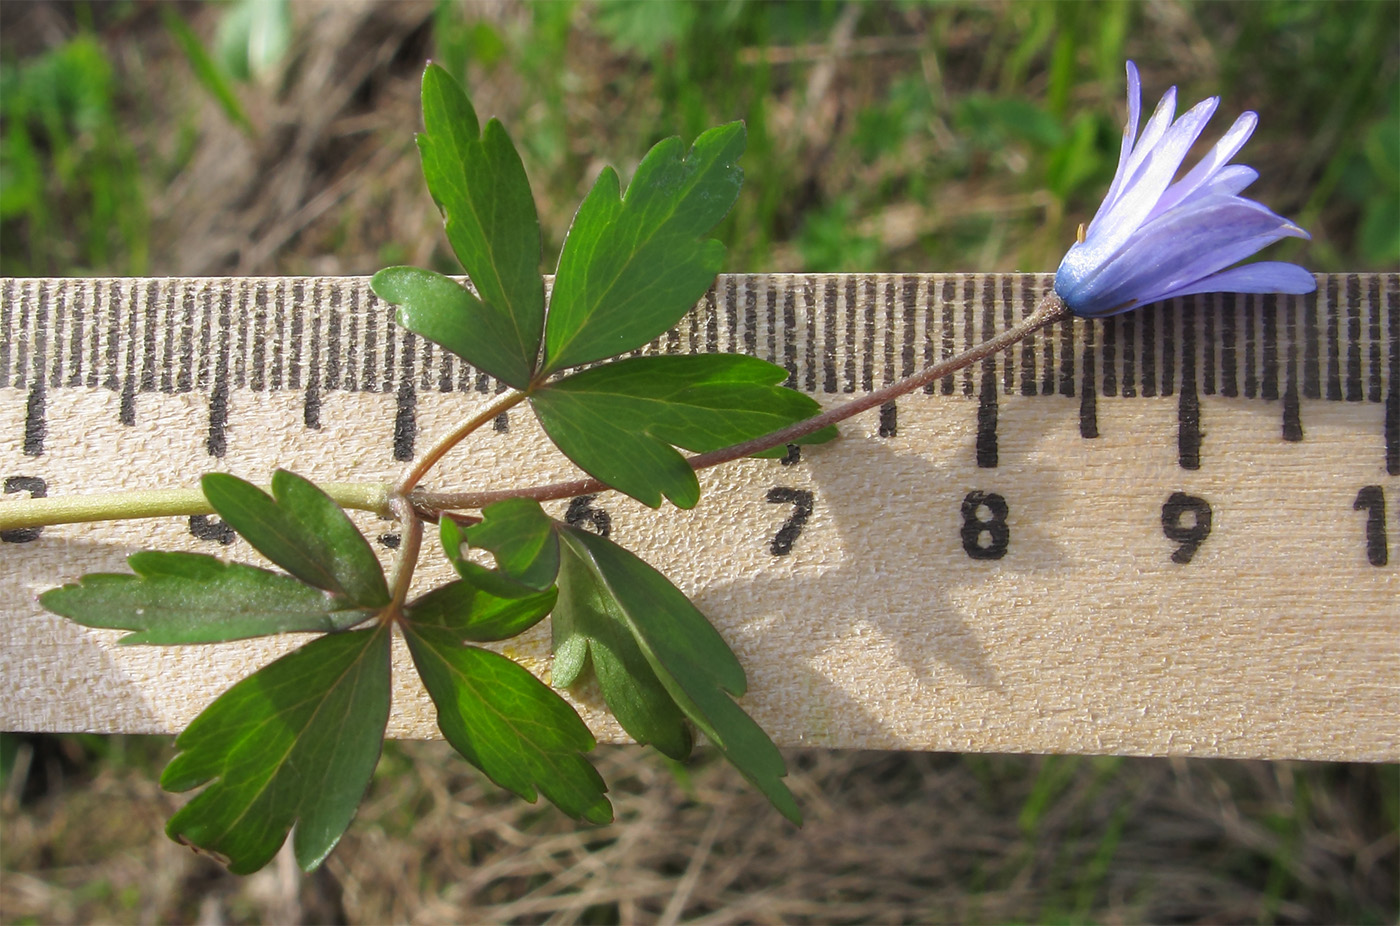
(1173, 532)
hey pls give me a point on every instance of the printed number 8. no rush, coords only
(994, 529)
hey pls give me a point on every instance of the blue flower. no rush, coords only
(1153, 239)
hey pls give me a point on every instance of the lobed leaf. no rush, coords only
(521, 537)
(294, 743)
(632, 266)
(195, 598)
(302, 530)
(478, 181)
(483, 606)
(445, 312)
(588, 628)
(689, 658)
(508, 723)
(618, 421)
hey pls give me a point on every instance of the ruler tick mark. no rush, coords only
(76, 307)
(1088, 389)
(1149, 353)
(148, 341)
(1109, 352)
(1229, 371)
(1268, 386)
(1188, 412)
(1392, 398)
(1251, 375)
(405, 416)
(35, 426)
(1292, 413)
(1334, 365)
(37, 488)
(889, 419)
(1375, 310)
(1353, 303)
(1128, 326)
(987, 417)
(947, 292)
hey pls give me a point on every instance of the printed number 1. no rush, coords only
(1371, 499)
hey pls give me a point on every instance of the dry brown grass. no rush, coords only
(889, 838)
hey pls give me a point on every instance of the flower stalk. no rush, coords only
(1051, 309)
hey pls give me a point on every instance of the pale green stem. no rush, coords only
(161, 503)
(378, 497)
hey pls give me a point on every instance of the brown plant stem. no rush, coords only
(1050, 310)
(439, 450)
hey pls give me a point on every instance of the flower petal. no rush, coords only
(1171, 278)
(1200, 175)
(1231, 181)
(1152, 178)
(1152, 239)
(1265, 276)
(1130, 166)
(1176, 249)
(1152, 133)
(1129, 134)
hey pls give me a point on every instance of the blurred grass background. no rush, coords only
(267, 137)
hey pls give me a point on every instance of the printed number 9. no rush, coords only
(1190, 535)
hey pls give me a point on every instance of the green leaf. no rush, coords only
(445, 312)
(508, 723)
(587, 625)
(450, 533)
(300, 529)
(479, 183)
(631, 267)
(521, 537)
(194, 598)
(618, 421)
(482, 606)
(689, 657)
(294, 743)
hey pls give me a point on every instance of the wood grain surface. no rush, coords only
(1171, 533)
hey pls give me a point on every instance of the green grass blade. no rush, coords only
(206, 71)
